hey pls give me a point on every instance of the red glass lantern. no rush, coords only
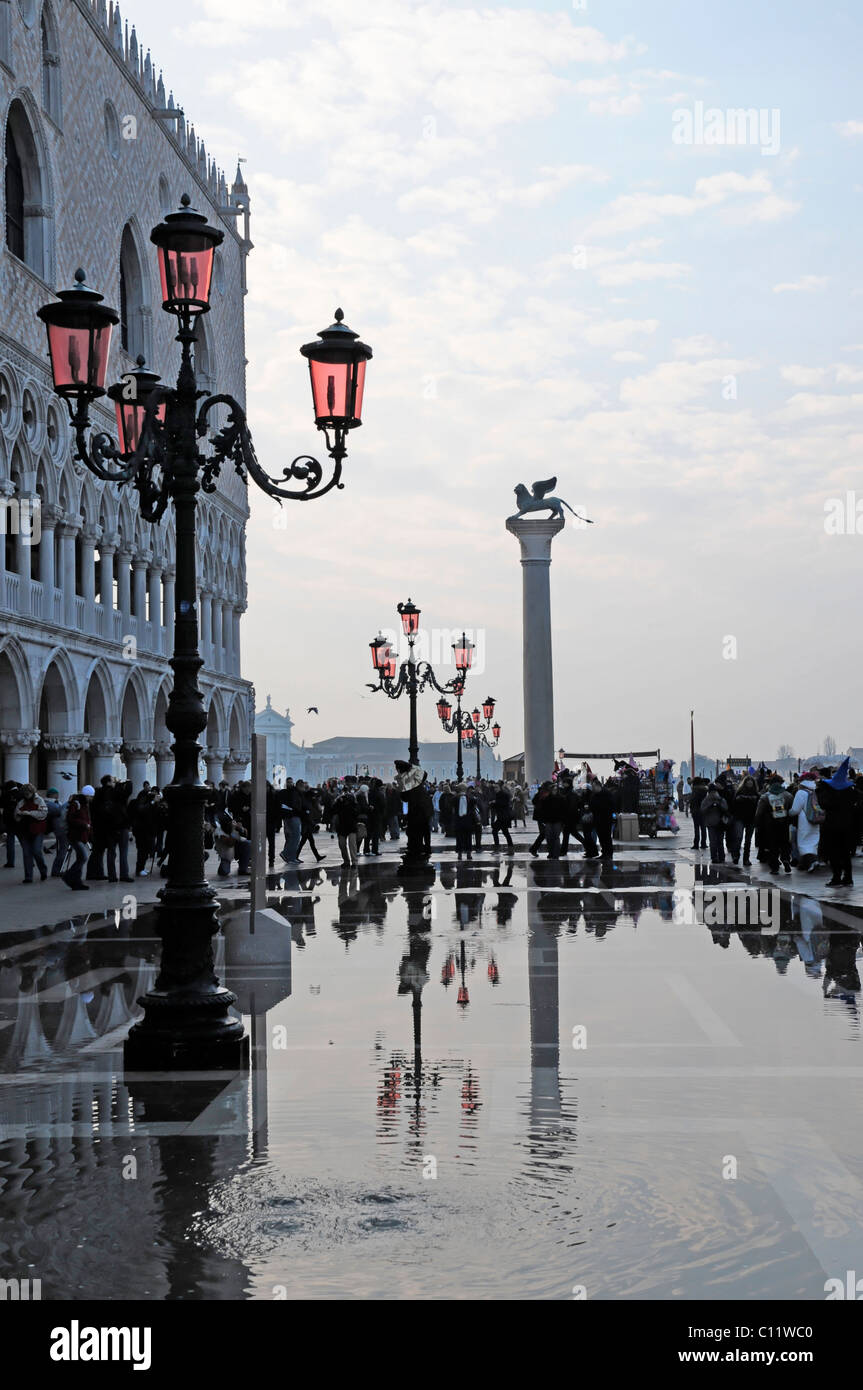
(467, 736)
(380, 650)
(444, 710)
(493, 972)
(410, 616)
(187, 246)
(337, 368)
(463, 996)
(474, 714)
(390, 667)
(79, 338)
(463, 654)
(495, 729)
(488, 705)
(131, 397)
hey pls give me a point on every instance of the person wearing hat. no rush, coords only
(57, 828)
(463, 826)
(838, 798)
(772, 821)
(79, 830)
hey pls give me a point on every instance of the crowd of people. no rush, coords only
(817, 819)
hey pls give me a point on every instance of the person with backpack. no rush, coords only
(773, 824)
(714, 813)
(79, 830)
(807, 812)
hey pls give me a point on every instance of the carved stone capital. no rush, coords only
(20, 740)
(162, 751)
(137, 748)
(65, 744)
(215, 755)
(105, 747)
(239, 757)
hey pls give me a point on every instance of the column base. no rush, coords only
(195, 1034)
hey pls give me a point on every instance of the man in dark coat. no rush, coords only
(838, 798)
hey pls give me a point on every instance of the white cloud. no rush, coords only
(633, 210)
(849, 130)
(807, 284)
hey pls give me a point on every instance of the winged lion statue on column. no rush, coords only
(537, 501)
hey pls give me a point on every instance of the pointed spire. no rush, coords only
(133, 51)
(118, 30)
(160, 91)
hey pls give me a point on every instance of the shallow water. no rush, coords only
(619, 1099)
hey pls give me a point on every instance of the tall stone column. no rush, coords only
(164, 763)
(217, 633)
(207, 628)
(107, 551)
(235, 765)
(139, 591)
(124, 575)
(155, 584)
(170, 583)
(64, 751)
(89, 541)
(535, 538)
(102, 754)
(17, 745)
(214, 759)
(136, 754)
(67, 531)
(49, 516)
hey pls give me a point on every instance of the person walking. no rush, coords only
(291, 810)
(837, 796)
(57, 828)
(345, 822)
(80, 830)
(808, 815)
(699, 792)
(538, 799)
(714, 813)
(601, 808)
(501, 817)
(773, 824)
(463, 827)
(31, 819)
(554, 810)
(743, 812)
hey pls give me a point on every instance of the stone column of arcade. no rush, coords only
(17, 746)
(535, 538)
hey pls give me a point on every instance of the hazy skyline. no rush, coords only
(553, 283)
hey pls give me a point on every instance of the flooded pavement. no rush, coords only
(509, 1079)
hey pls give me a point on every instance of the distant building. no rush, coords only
(374, 757)
(284, 758)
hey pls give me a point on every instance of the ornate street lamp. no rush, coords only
(414, 676)
(187, 1020)
(470, 731)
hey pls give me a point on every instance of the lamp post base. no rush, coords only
(196, 1034)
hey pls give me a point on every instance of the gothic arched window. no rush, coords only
(133, 334)
(27, 217)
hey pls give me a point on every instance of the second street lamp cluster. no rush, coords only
(471, 731)
(413, 676)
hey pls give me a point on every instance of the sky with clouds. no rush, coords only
(560, 274)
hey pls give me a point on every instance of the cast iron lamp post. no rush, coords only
(478, 732)
(462, 722)
(413, 676)
(187, 1021)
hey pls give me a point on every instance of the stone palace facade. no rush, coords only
(95, 154)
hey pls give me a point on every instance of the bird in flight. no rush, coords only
(312, 709)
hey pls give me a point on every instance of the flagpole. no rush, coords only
(692, 745)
